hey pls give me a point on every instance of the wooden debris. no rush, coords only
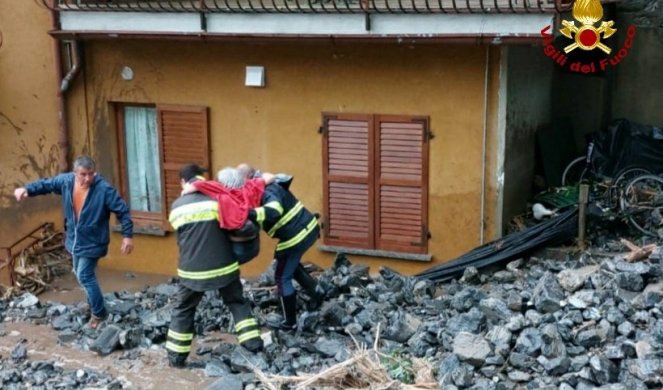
(364, 370)
(637, 253)
(37, 265)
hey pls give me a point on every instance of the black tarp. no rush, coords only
(626, 144)
(559, 229)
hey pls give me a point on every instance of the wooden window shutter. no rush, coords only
(348, 164)
(401, 182)
(184, 139)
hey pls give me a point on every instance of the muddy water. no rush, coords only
(149, 371)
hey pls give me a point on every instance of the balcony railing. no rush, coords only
(316, 6)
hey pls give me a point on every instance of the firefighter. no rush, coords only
(284, 217)
(205, 263)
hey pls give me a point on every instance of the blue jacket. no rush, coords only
(90, 235)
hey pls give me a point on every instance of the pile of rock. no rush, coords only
(591, 322)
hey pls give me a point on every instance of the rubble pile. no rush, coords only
(17, 373)
(595, 321)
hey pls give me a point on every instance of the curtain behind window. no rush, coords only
(143, 171)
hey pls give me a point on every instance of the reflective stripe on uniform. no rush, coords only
(180, 336)
(260, 216)
(299, 237)
(275, 205)
(200, 275)
(194, 212)
(178, 348)
(286, 218)
(248, 336)
(245, 323)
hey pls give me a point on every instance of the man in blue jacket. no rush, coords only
(87, 201)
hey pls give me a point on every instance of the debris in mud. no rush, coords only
(575, 322)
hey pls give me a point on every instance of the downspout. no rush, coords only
(482, 223)
(63, 86)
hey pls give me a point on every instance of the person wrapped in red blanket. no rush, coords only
(235, 199)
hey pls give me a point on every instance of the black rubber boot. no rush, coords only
(313, 289)
(177, 360)
(289, 305)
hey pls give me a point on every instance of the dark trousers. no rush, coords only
(287, 261)
(180, 332)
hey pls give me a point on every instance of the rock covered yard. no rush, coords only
(552, 321)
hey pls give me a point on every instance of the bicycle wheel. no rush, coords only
(642, 204)
(624, 176)
(575, 171)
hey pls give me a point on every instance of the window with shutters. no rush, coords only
(375, 178)
(154, 142)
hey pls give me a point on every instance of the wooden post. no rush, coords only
(583, 197)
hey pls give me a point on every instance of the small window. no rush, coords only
(375, 177)
(142, 159)
(154, 142)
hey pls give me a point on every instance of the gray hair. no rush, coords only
(85, 162)
(230, 177)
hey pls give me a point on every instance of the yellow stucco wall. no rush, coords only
(28, 117)
(275, 128)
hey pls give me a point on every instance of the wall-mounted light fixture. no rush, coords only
(255, 76)
(127, 73)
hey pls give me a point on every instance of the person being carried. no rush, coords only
(234, 204)
(285, 218)
(87, 202)
(205, 263)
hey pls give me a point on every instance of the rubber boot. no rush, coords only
(313, 289)
(289, 306)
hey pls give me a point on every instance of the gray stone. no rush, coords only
(534, 317)
(470, 276)
(626, 329)
(470, 322)
(514, 301)
(462, 375)
(548, 294)
(645, 369)
(614, 352)
(495, 310)
(519, 376)
(471, 348)
(573, 279)
(228, 382)
(499, 335)
(504, 277)
(516, 323)
(328, 347)
(589, 338)
(217, 368)
(158, 318)
(445, 369)
(584, 298)
(243, 361)
(653, 294)
(556, 366)
(637, 267)
(553, 346)
(26, 300)
(578, 362)
(629, 281)
(529, 342)
(467, 298)
(108, 340)
(131, 338)
(521, 360)
(604, 370)
(19, 353)
(401, 327)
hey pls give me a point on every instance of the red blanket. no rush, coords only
(234, 203)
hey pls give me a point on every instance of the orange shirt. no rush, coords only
(79, 198)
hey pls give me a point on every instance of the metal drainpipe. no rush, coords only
(483, 148)
(63, 137)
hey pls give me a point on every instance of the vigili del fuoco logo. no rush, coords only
(586, 35)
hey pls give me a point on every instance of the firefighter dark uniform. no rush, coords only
(284, 217)
(205, 263)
